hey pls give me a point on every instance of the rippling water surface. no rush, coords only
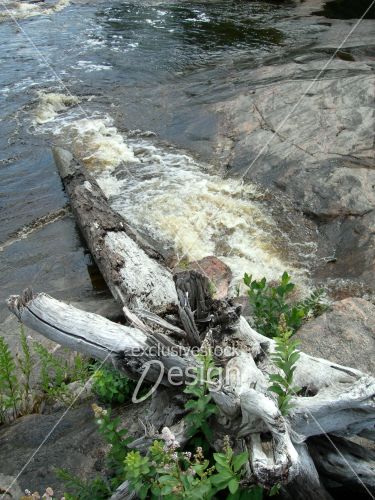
(129, 87)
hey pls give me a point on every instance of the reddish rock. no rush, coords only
(217, 272)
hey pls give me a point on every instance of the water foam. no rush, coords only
(177, 200)
(23, 10)
(97, 142)
(51, 104)
(89, 66)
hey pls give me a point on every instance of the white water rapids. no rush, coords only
(172, 197)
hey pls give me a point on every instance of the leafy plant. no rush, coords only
(111, 387)
(200, 406)
(316, 304)
(285, 357)
(16, 394)
(53, 374)
(77, 489)
(165, 472)
(109, 427)
(9, 388)
(269, 302)
(79, 370)
(25, 364)
(99, 488)
(228, 468)
(57, 373)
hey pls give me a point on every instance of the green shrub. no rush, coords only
(25, 364)
(53, 374)
(167, 473)
(110, 386)
(118, 438)
(77, 489)
(268, 303)
(9, 387)
(16, 396)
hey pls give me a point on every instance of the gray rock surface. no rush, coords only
(73, 443)
(314, 140)
(13, 492)
(344, 335)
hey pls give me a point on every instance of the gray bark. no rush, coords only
(133, 270)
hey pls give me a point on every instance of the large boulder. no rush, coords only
(345, 334)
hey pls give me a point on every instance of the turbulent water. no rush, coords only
(128, 87)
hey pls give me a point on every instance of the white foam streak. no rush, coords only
(23, 10)
(173, 198)
(98, 143)
(51, 104)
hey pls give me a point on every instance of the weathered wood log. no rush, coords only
(133, 270)
(128, 349)
(153, 318)
(307, 484)
(334, 398)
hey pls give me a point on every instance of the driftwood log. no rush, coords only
(168, 317)
(133, 270)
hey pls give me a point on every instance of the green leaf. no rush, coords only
(285, 278)
(239, 460)
(233, 485)
(277, 390)
(247, 279)
(221, 459)
(274, 490)
(275, 377)
(220, 481)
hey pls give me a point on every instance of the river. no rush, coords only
(130, 88)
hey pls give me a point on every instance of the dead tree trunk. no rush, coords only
(343, 400)
(133, 270)
(334, 399)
